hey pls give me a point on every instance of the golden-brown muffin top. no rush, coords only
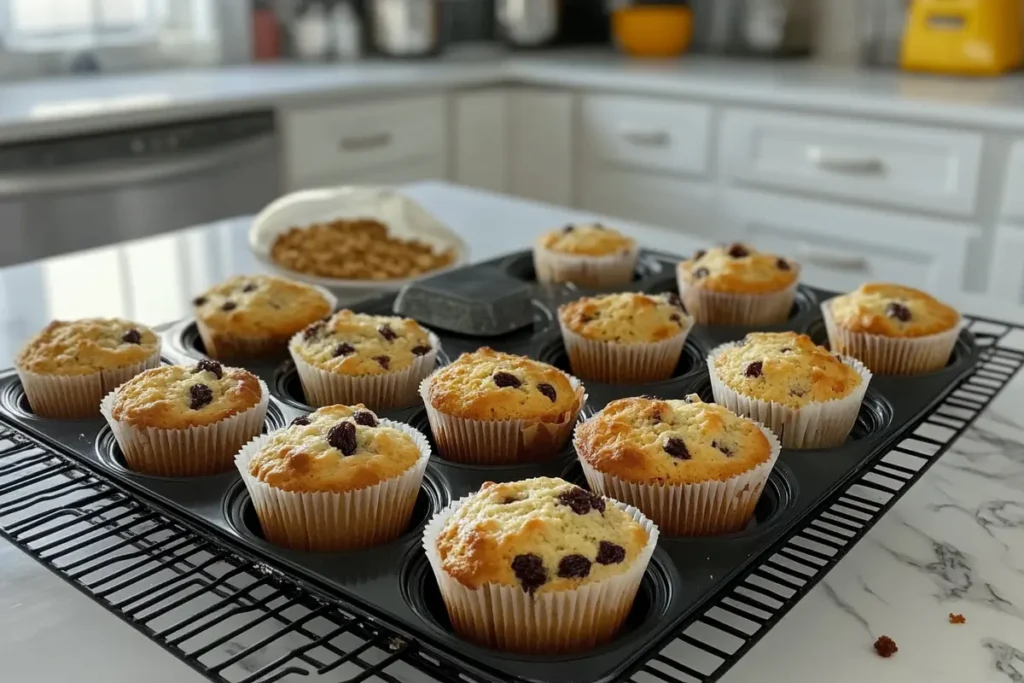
(627, 318)
(260, 306)
(587, 240)
(786, 368)
(648, 441)
(543, 534)
(82, 347)
(335, 449)
(182, 396)
(352, 343)
(738, 269)
(892, 311)
(490, 385)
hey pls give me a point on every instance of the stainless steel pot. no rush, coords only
(406, 28)
(529, 23)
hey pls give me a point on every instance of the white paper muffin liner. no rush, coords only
(612, 363)
(821, 424)
(225, 344)
(699, 509)
(588, 271)
(377, 392)
(332, 522)
(500, 442)
(891, 355)
(724, 308)
(78, 396)
(508, 618)
(190, 452)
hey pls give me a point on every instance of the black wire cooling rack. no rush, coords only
(236, 620)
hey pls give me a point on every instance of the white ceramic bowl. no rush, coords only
(405, 220)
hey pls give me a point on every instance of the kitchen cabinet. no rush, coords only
(911, 167)
(366, 142)
(541, 145)
(840, 247)
(480, 139)
(1007, 277)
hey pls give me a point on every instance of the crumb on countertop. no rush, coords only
(957, 618)
(886, 646)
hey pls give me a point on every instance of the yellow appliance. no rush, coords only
(969, 37)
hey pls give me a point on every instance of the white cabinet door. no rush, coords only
(652, 199)
(914, 167)
(481, 140)
(541, 145)
(1007, 280)
(356, 139)
(398, 174)
(840, 247)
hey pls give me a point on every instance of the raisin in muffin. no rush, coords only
(694, 468)
(338, 479)
(892, 329)
(507, 558)
(186, 420)
(250, 316)
(629, 337)
(738, 285)
(360, 358)
(806, 395)
(588, 255)
(490, 407)
(69, 367)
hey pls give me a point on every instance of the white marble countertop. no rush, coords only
(954, 543)
(76, 104)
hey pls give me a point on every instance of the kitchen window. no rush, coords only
(46, 25)
(40, 37)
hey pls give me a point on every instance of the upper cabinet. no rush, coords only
(399, 140)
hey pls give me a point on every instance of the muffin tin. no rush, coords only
(394, 582)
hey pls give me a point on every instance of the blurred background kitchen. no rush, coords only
(790, 123)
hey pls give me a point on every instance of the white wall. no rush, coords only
(839, 29)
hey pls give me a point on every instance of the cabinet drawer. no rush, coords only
(651, 199)
(908, 166)
(645, 133)
(354, 137)
(1013, 198)
(432, 168)
(840, 247)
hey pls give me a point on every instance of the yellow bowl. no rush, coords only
(653, 30)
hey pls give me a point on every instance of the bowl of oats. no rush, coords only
(355, 241)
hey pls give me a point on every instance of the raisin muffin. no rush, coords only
(590, 255)
(360, 358)
(892, 329)
(249, 316)
(69, 367)
(538, 566)
(497, 408)
(186, 420)
(630, 337)
(803, 393)
(738, 285)
(338, 479)
(694, 468)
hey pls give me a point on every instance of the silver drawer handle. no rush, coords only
(832, 259)
(366, 142)
(840, 162)
(647, 138)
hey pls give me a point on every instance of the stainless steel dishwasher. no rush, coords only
(62, 195)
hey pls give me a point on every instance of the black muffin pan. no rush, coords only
(394, 584)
